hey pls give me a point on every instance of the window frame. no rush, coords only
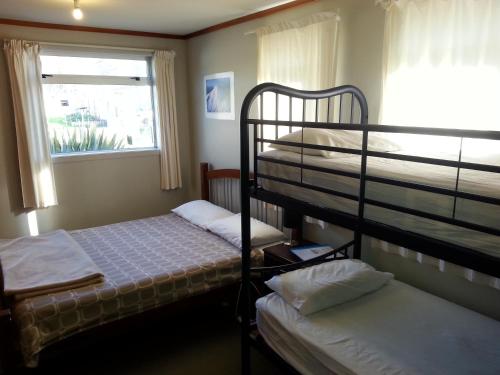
(87, 79)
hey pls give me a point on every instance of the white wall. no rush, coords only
(92, 192)
(360, 64)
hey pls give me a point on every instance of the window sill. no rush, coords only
(99, 155)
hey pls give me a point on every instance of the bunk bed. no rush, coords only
(153, 266)
(368, 192)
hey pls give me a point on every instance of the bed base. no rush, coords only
(223, 296)
(342, 116)
(258, 342)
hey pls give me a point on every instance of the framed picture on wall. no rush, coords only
(219, 96)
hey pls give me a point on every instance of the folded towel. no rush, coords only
(48, 263)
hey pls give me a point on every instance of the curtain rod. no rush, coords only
(95, 46)
(311, 19)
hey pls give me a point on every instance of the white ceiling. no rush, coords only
(161, 16)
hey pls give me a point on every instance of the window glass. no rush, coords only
(98, 117)
(94, 111)
(94, 66)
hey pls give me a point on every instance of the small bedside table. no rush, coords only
(279, 255)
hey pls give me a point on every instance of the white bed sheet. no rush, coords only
(396, 330)
(470, 181)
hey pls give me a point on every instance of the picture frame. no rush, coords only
(218, 91)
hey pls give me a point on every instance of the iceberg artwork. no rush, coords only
(219, 96)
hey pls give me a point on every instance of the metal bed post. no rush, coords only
(245, 236)
(248, 191)
(358, 234)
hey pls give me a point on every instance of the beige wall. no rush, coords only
(92, 192)
(231, 50)
(360, 64)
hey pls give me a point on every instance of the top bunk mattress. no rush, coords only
(395, 330)
(483, 183)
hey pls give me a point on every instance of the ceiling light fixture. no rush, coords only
(77, 12)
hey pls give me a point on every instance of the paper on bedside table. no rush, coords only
(307, 252)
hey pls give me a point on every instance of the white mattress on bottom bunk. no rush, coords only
(395, 330)
(471, 181)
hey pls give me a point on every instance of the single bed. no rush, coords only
(395, 330)
(147, 264)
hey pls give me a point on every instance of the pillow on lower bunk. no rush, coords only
(201, 212)
(260, 233)
(328, 284)
(334, 138)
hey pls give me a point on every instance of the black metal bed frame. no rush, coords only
(448, 251)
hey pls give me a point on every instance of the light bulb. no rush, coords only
(77, 13)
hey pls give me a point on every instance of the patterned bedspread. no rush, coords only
(146, 263)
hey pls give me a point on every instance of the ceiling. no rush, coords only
(160, 16)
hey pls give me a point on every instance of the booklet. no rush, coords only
(307, 252)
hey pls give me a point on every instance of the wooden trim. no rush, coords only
(220, 26)
(90, 29)
(223, 173)
(205, 187)
(206, 175)
(249, 17)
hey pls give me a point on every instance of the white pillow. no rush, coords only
(327, 284)
(260, 233)
(201, 213)
(335, 138)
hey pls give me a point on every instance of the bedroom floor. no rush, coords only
(201, 342)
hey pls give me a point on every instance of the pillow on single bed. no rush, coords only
(260, 233)
(328, 284)
(201, 212)
(334, 138)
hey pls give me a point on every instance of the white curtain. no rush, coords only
(442, 69)
(33, 147)
(442, 63)
(163, 66)
(300, 54)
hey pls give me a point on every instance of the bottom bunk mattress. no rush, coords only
(146, 263)
(395, 330)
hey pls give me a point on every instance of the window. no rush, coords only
(442, 69)
(98, 102)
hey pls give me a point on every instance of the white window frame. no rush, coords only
(104, 80)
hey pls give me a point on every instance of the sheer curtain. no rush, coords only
(300, 54)
(163, 70)
(442, 69)
(442, 63)
(33, 147)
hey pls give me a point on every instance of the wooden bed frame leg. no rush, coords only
(6, 341)
(205, 188)
(293, 221)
